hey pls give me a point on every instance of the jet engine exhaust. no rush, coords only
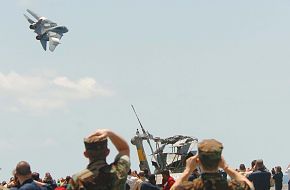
(32, 26)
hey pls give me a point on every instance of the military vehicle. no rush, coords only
(168, 154)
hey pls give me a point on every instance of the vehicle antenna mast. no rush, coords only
(146, 136)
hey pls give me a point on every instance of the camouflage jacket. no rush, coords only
(210, 181)
(101, 176)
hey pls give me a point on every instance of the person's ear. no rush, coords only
(197, 160)
(86, 154)
(107, 152)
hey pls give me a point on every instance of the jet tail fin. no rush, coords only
(29, 19)
(33, 14)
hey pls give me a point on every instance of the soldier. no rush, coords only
(99, 175)
(209, 159)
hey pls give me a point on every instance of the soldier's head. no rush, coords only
(96, 149)
(209, 153)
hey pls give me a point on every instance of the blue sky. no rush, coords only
(210, 69)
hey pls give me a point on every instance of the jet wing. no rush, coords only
(46, 21)
(43, 43)
(43, 20)
(54, 40)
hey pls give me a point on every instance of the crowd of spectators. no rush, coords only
(205, 170)
(257, 173)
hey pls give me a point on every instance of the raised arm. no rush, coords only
(120, 144)
(191, 164)
(234, 174)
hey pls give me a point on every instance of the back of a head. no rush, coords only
(141, 174)
(242, 167)
(146, 173)
(279, 169)
(165, 172)
(35, 176)
(260, 164)
(96, 148)
(209, 152)
(253, 163)
(23, 168)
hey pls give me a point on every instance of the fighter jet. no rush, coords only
(46, 30)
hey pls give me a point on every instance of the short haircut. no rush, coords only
(23, 168)
(35, 176)
(260, 163)
(208, 162)
(253, 163)
(242, 167)
(279, 169)
(96, 155)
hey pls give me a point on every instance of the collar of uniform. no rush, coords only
(27, 181)
(211, 176)
(96, 163)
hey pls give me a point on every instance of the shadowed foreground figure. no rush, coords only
(24, 177)
(99, 175)
(278, 177)
(260, 176)
(209, 159)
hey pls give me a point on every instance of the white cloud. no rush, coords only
(22, 92)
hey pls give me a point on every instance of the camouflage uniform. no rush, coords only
(101, 176)
(213, 181)
(209, 152)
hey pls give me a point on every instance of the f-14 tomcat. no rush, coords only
(46, 30)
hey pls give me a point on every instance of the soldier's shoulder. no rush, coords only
(196, 184)
(123, 158)
(238, 185)
(82, 175)
(78, 179)
(121, 163)
(3, 188)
